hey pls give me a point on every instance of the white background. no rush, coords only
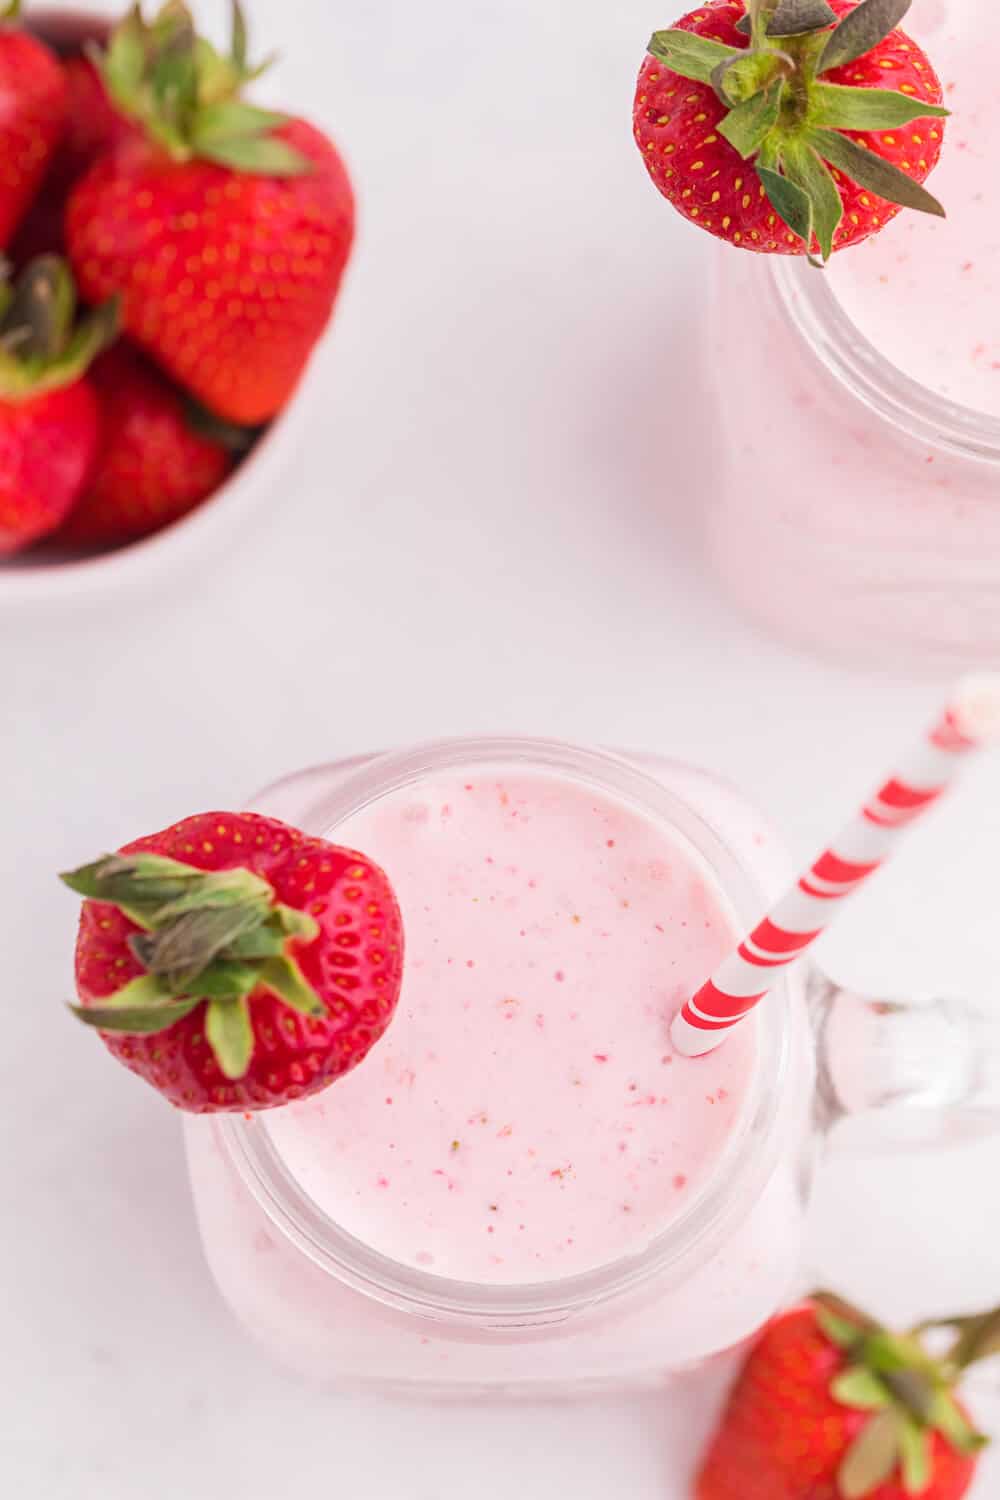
(492, 525)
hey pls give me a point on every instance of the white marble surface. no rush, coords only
(492, 526)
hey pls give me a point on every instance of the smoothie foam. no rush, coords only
(525, 1116)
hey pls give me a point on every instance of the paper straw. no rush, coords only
(971, 721)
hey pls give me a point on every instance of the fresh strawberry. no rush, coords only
(830, 1406)
(769, 124)
(92, 125)
(235, 963)
(152, 466)
(48, 413)
(225, 228)
(32, 110)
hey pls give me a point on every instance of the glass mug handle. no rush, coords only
(911, 1072)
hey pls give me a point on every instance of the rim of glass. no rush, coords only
(808, 301)
(741, 1172)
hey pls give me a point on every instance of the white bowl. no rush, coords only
(44, 575)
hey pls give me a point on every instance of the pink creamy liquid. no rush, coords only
(854, 510)
(926, 292)
(525, 1117)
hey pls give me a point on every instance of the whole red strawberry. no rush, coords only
(152, 465)
(235, 963)
(92, 125)
(831, 1406)
(32, 108)
(225, 228)
(790, 126)
(48, 413)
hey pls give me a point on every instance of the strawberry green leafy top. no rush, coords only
(789, 120)
(907, 1393)
(43, 345)
(186, 95)
(210, 937)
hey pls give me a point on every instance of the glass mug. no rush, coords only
(856, 510)
(343, 1312)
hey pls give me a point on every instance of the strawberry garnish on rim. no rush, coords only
(830, 1405)
(235, 963)
(789, 141)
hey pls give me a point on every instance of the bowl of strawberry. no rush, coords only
(170, 256)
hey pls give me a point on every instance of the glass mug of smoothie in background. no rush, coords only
(859, 505)
(524, 1184)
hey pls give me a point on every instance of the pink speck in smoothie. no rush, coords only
(680, 1181)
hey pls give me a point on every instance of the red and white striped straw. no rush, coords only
(971, 721)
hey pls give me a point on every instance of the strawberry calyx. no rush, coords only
(43, 345)
(205, 936)
(186, 94)
(908, 1392)
(11, 11)
(789, 122)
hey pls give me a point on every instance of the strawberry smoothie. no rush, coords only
(525, 1116)
(855, 507)
(926, 292)
(522, 1183)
